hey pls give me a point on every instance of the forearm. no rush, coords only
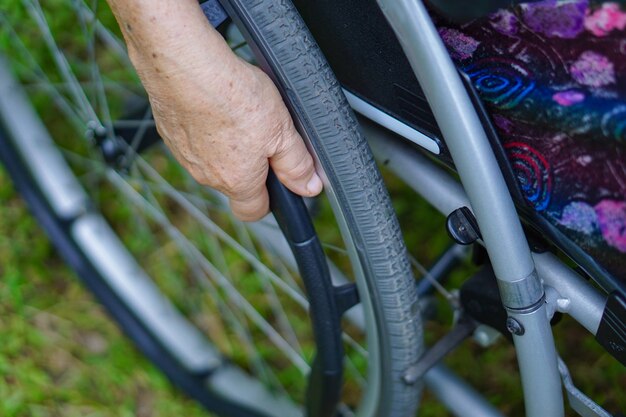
(167, 39)
(149, 25)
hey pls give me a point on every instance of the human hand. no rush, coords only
(222, 118)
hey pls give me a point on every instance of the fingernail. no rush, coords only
(315, 185)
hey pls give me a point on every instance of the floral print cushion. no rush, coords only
(553, 77)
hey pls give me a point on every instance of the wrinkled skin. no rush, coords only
(223, 119)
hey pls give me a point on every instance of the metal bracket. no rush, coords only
(579, 402)
(461, 331)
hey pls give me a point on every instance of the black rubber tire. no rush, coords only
(288, 52)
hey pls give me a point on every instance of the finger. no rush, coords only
(251, 207)
(294, 166)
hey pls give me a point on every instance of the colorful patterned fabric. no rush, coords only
(553, 77)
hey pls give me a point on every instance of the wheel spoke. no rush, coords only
(142, 128)
(37, 73)
(34, 9)
(451, 298)
(223, 268)
(62, 87)
(277, 307)
(107, 37)
(88, 28)
(212, 227)
(212, 272)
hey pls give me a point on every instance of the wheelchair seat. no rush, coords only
(552, 76)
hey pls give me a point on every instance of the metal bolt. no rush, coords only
(514, 326)
(481, 337)
(409, 377)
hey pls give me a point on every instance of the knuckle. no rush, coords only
(282, 132)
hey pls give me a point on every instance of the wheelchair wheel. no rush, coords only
(215, 303)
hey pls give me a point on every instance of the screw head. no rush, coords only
(514, 326)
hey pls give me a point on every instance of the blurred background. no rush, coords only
(60, 355)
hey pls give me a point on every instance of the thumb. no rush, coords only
(294, 166)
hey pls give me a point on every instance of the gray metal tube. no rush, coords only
(489, 195)
(578, 298)
(458, 397)
(543, 396)
(465, 137)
